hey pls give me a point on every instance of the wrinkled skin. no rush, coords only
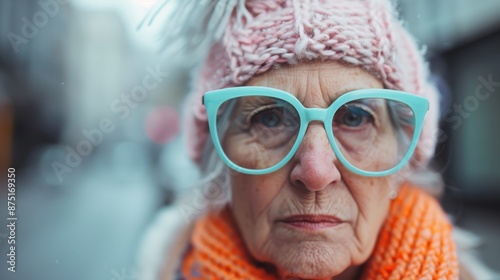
(314, 182)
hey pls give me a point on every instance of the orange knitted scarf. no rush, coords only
(414, 243)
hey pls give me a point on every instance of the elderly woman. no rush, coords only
(312, 116)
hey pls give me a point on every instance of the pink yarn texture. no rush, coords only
(267, 33)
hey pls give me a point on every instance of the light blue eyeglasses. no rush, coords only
(257, 130)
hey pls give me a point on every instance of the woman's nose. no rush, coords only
(315, 162)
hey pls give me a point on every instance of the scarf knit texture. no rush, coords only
(415, 242)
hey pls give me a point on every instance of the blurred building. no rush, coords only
(463, 39)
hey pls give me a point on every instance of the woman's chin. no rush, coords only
(312, 260)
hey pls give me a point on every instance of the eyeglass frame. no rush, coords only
(212, 100)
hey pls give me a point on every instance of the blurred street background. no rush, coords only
(89, 119)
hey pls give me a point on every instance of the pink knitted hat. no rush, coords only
(261, 34)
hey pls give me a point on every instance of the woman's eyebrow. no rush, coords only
(376, 104)
(252, 100)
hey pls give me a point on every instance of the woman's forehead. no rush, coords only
(317, 84)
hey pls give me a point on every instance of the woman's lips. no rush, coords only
(311, 222)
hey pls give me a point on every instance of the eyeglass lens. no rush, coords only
(257, 132)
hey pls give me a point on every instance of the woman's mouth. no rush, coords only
(311, 222)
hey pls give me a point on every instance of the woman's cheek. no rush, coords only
(251, 198)
(253, 201)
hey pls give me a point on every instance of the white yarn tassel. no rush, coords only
(192, 26)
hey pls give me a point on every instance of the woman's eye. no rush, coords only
(268, 118)
(353, 116)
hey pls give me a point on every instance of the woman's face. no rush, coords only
(312, 218)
